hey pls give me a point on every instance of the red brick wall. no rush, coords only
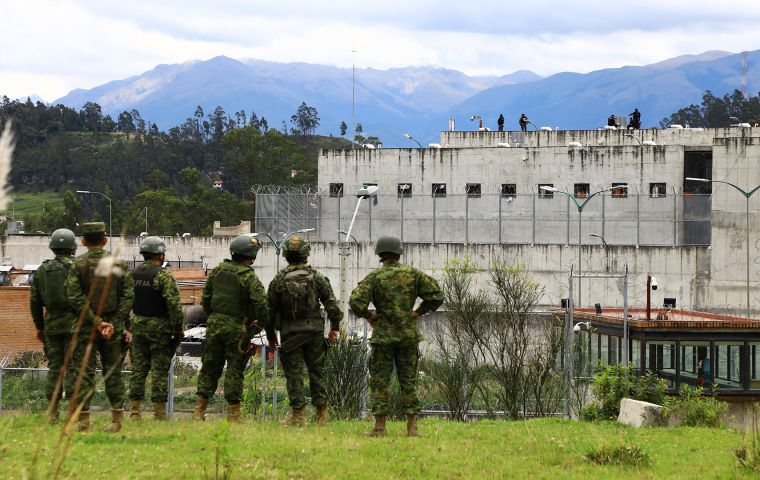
(17, 332)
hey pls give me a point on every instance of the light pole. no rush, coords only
(580, 207)
(746, 194)
(641, 145)
(410, 137)
(88, 192)
(596, 235)
(278, 246)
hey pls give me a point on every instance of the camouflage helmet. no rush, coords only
(388, 244)
(152, 245)
(245, 246)
(298, 245)
(63, 239)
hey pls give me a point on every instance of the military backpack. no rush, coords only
(299, 294)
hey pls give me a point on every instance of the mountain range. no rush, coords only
(419, 100)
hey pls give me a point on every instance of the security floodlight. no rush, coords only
(408, 135)
(306, 230)
(582, 327)
(548, 188)
(694, 179)
(368, 192)
(654, 283)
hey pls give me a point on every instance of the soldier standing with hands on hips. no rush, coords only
(156, 329)
(294, 295)
(393, 289)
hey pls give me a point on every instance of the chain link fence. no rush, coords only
(657, 218)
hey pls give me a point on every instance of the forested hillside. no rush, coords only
(170, 172)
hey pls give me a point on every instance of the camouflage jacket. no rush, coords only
(249, 304)
(155, 327)
(118, 298)
(393, 289)
(281, 316)
(54, 319)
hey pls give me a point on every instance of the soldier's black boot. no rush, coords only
(379, 430)
(411, 426)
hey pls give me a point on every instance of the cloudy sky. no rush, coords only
(53, 46)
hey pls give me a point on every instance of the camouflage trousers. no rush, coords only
(56, 346)
(154, 356)
(405, 357)
(111, 358)
(223, 344)
(308, 356)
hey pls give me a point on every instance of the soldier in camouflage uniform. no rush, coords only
(112, 323)
(294, 297)
(393, 289)
(156, 329)
(236, 304)
(53, 316)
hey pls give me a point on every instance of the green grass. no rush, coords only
(542, 448)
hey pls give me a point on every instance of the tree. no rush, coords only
(359, 128)
(92, 116)
(254, 157)
(343, 129)
(125, 123)
(306, 119)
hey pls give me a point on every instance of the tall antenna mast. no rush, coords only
(745, 65)
(353, 98)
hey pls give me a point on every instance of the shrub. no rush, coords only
(346, 375)
(631, 455)
(650, 388)
(694, 409)
(616, 382)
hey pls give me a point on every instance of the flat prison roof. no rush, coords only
(676, 318)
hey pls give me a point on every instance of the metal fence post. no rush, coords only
(274, 385)
(170, 400)
(568, 345)
(1, 389)
(370, 202)
(263, 379)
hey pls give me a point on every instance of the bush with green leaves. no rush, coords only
(619, 381)
(346, 375)
(695, 409)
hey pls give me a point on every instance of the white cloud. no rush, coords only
(60, 45)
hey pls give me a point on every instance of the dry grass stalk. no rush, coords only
(7, 145)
